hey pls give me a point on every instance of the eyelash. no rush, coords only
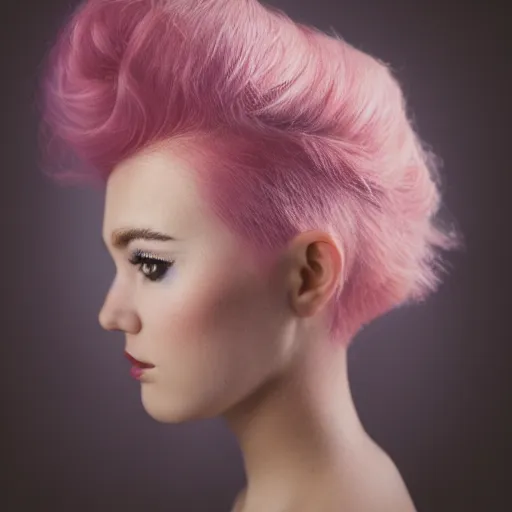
(140, 258)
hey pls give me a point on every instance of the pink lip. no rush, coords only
(137, 373)
(138, 364)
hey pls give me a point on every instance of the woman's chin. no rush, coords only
(174, 411)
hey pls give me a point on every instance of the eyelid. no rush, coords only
(138, 253)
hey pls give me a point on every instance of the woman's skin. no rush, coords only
(228, 339)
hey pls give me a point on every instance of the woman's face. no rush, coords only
(214, 327)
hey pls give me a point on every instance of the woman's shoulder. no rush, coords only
(381, 484)
(372, 483)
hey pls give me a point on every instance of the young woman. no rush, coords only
(266, 197)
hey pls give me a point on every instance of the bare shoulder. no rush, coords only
(383, 487)
(374, 483)
(395, 491)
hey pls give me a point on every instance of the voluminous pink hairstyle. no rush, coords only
(297, 130)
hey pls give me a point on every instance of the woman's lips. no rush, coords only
(137, 363)
(137, 373)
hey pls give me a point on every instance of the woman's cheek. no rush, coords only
(189, 317)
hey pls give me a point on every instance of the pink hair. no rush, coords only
(296, 129)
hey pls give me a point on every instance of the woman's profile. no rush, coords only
(266, 196)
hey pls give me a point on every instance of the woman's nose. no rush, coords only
(118, 316)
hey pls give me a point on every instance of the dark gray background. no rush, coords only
(432, 383)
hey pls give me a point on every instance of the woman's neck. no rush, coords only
(299, 429)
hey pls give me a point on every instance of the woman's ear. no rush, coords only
(315, 271)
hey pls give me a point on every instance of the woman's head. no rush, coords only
(292, 129)
(200, 310)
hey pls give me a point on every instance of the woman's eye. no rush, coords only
(152, 269)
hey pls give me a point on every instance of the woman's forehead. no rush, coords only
(155, 185)
(159, 191)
